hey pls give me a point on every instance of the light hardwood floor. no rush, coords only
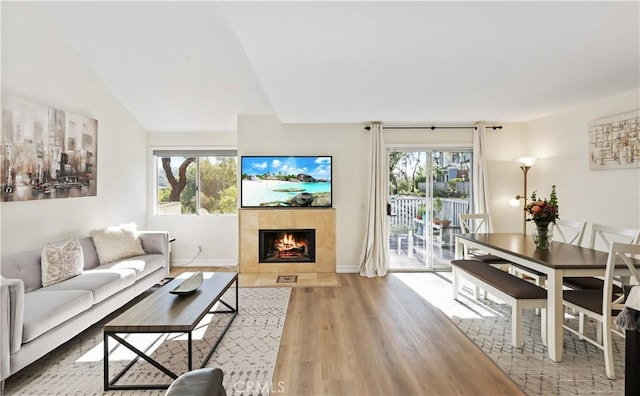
(378, 337)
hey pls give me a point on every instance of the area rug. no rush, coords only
(487, 322)
(247, 354)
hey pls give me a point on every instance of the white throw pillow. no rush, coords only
(61, 262)
(116, 243)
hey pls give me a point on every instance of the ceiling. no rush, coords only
(194, 66)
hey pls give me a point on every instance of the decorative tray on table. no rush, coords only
(190, 285)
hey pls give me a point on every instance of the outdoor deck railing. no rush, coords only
(404, 209)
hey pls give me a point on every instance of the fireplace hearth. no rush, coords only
(287, 246)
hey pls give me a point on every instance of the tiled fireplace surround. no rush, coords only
(322, 220)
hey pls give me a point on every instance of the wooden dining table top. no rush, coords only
(559, 256)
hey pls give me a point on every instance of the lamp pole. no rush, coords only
(526, 163)
(525, 170)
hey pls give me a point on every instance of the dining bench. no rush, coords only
(516, 292)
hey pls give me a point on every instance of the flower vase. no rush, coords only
(543, 234)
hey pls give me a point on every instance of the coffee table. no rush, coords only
(163, 312)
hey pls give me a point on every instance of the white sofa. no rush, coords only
(35, 320)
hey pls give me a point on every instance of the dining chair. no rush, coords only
(601, 235)
(569, 231)
(479, 223)
(604, 304)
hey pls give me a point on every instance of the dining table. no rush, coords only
(559, 261)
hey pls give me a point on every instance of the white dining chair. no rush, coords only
(566, 231)
(602, 305)
(569, 231)
(480, 223)
(474, 222)
(601, 236)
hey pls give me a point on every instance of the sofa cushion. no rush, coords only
(61, 262)
(102, 283)
(24, 265)
(90, 254)
(115, 243)
(44, 309)
(143, 265)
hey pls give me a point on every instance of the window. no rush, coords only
(196, 182)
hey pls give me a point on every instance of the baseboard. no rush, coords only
(348, 270)
(204, 263)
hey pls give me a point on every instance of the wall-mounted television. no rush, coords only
(285, 182)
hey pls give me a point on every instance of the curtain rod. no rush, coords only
(432, 127)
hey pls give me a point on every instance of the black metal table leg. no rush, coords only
(189, 352)
(231, 310)
(105, 363)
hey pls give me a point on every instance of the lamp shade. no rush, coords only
(527, 161)
(515, 202)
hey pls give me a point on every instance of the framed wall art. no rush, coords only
(614, 141)
(46, 153)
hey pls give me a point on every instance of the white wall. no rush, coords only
(504, 176)
(347, 143)
(422, 137)
(38, 66)
(609, 197)
(559, 141)
(217, 235)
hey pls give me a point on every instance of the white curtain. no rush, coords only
(374, 257)
(480, 182)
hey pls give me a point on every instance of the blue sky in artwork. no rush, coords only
(318, 167)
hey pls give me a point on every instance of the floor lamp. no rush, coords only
(526, 164)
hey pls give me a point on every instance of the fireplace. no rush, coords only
(287, 246)
(251, 221)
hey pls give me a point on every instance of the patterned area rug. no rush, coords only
(487, 322)
(247, 354)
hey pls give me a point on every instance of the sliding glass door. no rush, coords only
(428, 189)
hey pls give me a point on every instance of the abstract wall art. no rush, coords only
(46, 153)
(614, 141)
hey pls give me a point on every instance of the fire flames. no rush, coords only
(288, 247)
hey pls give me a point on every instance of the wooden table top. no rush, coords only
(559, 256)
(164, 312)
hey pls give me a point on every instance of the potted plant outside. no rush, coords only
(437, 208)
(422, 209)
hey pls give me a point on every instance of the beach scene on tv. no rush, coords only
(286, 181)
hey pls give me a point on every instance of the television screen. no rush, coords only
(281, 182)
